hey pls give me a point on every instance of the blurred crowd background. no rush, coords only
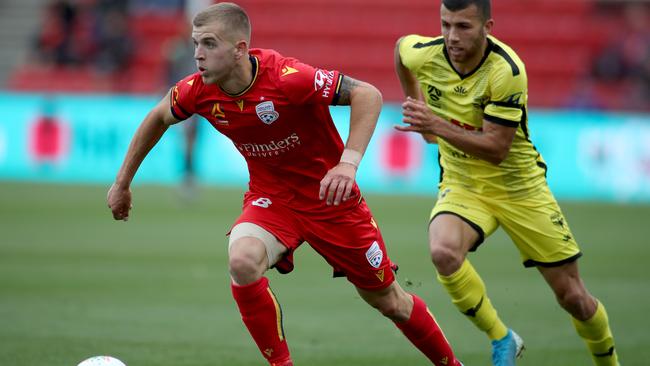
(583, 54)
(77, 77)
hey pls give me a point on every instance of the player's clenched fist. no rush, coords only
(119, 201)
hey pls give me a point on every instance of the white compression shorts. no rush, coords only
(274, 249)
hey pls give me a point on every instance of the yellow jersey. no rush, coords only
(496, 91)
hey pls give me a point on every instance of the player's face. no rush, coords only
(465, 33)
(215, 55)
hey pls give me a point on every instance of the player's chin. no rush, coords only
(207, 78)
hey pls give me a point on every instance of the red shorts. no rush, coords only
(351, 242)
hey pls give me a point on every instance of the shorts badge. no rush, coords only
(375, 255)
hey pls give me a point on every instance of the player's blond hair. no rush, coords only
(230, 16)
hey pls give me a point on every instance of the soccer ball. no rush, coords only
(102, 361)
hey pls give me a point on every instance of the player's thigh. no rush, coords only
(539, 230)
(252, 241)
(273, 224)
(353, 245)
(460, 221)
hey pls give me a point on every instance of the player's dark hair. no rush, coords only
(484, 7)
(231, 15)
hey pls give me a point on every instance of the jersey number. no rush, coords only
(262, 202)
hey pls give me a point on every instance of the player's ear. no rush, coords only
(487, 27)
(241, 49)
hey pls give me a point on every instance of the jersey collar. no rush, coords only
(488, 49)
(255, 70)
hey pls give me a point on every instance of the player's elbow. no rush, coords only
(368, 95)
(374, 94)
(497, 156)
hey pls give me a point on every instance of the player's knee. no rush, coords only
(445, 259)
(574, 300)
(390, 309)
(392, 303)
(244, 268)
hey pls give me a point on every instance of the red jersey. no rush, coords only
(281, 125)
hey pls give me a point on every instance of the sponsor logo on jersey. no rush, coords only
(514, 99)
(374, 255)
(266, 112)
(380, 275)
(218, 115)
(373, 223)
(323, 80)
(288, 70)
(271, 148)
(434, 93)
(460, 90)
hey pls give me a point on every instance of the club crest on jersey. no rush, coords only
(266, 112)
(374, 255)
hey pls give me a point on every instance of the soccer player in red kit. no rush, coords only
(302, 178)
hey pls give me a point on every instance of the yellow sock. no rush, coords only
(467, 292)
(596, 333)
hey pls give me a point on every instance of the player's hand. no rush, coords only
(418, 117)
(119, 201)
(337, 184)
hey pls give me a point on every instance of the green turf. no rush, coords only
(154, 291)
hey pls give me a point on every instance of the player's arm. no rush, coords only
(410, 85)
(145, 138)
(365, 103)
(492, 143)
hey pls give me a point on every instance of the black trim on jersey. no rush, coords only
(171, 103)
(524, 125)
(479, 231)
(501, 121)
(533, 263)
(505, 104)
(256, 67)
(501, 52)
(183, 110)
(335, 98)
(177, 116)
(488, 49)
(440, 166)
(541, 164)
(430, 43)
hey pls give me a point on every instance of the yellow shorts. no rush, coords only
(535, 224)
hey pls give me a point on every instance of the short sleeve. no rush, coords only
(305, 84)
(413, 51)
(508, 98)
(183, 97)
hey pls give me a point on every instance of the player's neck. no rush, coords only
(472, 63)
(240, 78)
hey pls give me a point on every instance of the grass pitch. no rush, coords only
(155, 291)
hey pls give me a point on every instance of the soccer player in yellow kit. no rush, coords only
(468, 91)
